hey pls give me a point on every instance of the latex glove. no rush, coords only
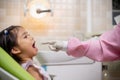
(57, 45)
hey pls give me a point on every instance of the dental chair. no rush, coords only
(10, 69)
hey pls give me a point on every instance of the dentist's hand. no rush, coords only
(57, 45)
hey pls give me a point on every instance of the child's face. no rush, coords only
(26, 44)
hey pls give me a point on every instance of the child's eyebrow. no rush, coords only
(24, 33)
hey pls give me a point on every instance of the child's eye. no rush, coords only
(25, 36)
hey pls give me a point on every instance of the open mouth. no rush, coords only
(33, 45)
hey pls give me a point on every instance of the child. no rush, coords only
(106, 48)
(20, 45)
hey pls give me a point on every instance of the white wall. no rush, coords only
(76, 72)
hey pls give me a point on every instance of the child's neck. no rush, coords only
(25, 60)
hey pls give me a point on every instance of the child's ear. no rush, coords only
(15, 50)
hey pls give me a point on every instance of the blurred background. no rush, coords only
(61, 19)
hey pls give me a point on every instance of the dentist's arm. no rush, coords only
(107, 48)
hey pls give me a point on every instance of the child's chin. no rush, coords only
(36, 49)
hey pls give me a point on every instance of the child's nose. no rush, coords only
(31, 37)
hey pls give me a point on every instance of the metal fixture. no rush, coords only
(36, 10)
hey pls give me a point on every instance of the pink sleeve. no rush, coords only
(107, 48)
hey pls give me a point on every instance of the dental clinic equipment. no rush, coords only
(117, 19)
(37, 8)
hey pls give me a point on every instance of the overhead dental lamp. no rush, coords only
(36, 10)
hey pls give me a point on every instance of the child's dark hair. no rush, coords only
(8, 39)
